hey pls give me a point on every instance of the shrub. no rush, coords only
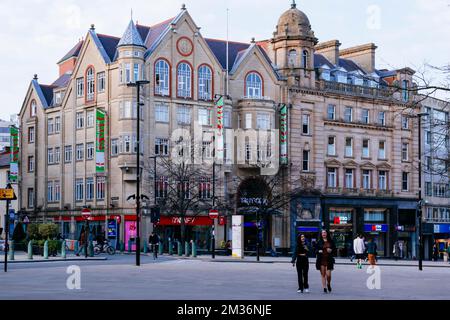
(33, 231)
(48, 230)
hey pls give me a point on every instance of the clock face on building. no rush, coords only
(184, 46)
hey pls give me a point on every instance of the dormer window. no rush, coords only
(90, 84)
(253, 83)
(33, 108)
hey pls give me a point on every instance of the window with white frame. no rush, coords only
(57, 191)
(184, 115)
(349, 147)
(204, 188)
(205, 83)
(90, 151)
(50, 126)
(80, 120)
(183, 189)
(305, 123)
(162, 146)
(79, 189)
(207, 150)
(366, 179)
(89, 188)
(79, 152)
(30, 197)
(365, 116)
(292, 58)
(305, 161)
(405, 181)
(331, 177)
(161, 187)
(127, 72)
(50, 156)
(68, 154)
(405, 90)
(184, 73)
(204, 117)
(227, 119)
(57, 155)
(90, 119)
(405, 151)
(248, 121)
(331, 150)
(31, 135)
(136, 72)
(405, 122)
(50, 191)
(90, 84)
(331, 112)
(58, 97)
(101, 82)
(31, 164)
(33, 108)
(162, 78)
(382, 150)
(114, 147)
(253, 84)
(57, 124)
(126, 143)
(263, 121)
(349, 181)
(348, 114)
(162, 112)
(248, 151)
(382, 118)
(80, 87)
(382, 180)
(366, 148)
(101, 188)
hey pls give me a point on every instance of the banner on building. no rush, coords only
(220, 144)
(283, 135)
(100, 141)
(14, 158)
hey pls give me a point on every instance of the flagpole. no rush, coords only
(227, 75)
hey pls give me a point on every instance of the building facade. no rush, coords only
(347, 148)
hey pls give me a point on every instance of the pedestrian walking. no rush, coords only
(359, 248)
(396, 250)
(448, 252)
(372, 252)
(300, 259)
(81, 241)
(153, 240)
(435, 252)
(325, 250)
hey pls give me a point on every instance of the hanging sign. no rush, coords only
(283, 135)
(100, 141)
(14, 159)
(220, 144)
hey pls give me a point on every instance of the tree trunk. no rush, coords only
(182, 229)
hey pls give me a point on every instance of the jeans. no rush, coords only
(155, 251)
(302, 272)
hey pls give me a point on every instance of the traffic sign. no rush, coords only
(86, 213)
(7, 194)
(213, 214)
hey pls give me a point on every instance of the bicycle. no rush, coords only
(104, 248)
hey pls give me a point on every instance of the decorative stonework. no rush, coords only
(185, 46)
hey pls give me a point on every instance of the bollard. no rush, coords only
(145, 247)
(63, 249)
(179, 249)
(160, 248)
(170, 248)
(30, 249)
(76, 246)
(186, 249)
(194, 249)
(11, 250)
(90, 249)
(129, 246)
(46, 249)
(122, 246)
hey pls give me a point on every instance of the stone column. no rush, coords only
(238, 236)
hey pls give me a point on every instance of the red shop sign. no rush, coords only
(189, 221)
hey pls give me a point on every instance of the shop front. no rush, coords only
(341, 229)
(378, 233)
(441, 238)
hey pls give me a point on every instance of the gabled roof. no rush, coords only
(47, 90)
(143, 31)
(219, 48)
(131, 36)
(350, 66)
(73, 52)
(320, 60)
(62, 81)
(107, 45)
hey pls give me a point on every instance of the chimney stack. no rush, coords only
(363, 56)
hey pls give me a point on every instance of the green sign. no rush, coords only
(100, 141)
(14, 160)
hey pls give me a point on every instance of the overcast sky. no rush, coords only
(35, 34)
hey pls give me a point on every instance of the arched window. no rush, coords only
(253, 84)
(305, 59)
(184, 80)
(292, 58)
(90, 84)
(33, 108)
(205, 83)
(162, 78)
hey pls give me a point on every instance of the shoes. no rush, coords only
(299, 291)
(329, 288)
(325, 290)
(306, 290)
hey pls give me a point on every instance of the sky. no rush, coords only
(35, 34)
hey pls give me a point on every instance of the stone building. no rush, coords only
(346, 147)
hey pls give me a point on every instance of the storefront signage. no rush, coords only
(340, 220)
(283, 135)
(375, 228)
(307, 229)
(189, 221)
(112, 229)
(254, 201)
(100, 145)
(220, 144)
(441, 228)
(14, 159)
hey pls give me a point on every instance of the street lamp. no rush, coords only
(420, 202)
(138, 84)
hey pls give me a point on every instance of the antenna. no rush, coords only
(131, 13)
(227, 66)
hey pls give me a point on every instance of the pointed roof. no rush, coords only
(131, 37)
(73, 53)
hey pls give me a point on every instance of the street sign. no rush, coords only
(213, 214)
(86, 213)
(7, 194)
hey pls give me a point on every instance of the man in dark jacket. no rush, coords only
(153, 240)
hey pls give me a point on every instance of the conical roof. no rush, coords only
(131, 36)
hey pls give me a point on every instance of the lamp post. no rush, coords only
(138, 84)
(419, 204)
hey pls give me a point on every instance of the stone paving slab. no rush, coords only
(23, 258)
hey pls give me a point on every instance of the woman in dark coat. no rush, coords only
(301, 256)
(325, 251)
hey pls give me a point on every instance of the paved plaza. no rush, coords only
(176, 278)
